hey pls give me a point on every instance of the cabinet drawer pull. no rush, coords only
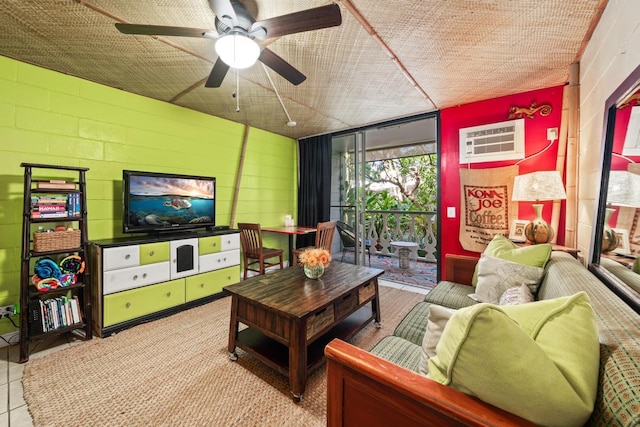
(168, 294)
(127, 256)
(144, 275)
(128, 305)
(135, 277)
(202, 285)
(152, 253)
(321, 311)
(215, 244)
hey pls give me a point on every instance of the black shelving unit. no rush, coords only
(78, 220)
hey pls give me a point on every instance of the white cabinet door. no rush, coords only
(184, 258)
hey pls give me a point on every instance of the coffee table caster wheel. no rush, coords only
(378, 325)
(233, 356)
(297, 398)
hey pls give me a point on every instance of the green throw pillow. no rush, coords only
(503, 248)
(539, 361)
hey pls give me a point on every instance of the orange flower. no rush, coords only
(314, 257)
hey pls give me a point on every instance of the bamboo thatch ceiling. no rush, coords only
(388, 59)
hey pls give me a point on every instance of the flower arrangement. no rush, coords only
(314, 257)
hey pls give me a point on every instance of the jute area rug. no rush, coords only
(176, 372)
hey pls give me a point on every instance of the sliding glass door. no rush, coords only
(384, 185)
(348, 196)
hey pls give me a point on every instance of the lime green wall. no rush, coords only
(48, 117)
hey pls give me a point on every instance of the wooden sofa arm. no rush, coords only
(366, 390)
(460, 268)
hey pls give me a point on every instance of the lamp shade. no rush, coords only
(536, 186)
(624, 188)
(237, 51)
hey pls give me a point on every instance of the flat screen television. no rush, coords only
(157, 202)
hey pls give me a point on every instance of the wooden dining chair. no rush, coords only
(255, 256)
(324, 239)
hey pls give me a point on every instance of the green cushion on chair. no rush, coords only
(539, 360)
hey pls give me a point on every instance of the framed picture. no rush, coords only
(624, 247)
(517, 231)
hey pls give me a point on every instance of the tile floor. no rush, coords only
(13, 409)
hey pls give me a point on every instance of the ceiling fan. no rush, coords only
(239, 34)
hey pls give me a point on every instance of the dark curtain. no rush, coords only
(314, 192)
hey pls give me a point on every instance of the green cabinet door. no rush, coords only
(211, 283)
(150, 253)
(128, 305)
(208, 245)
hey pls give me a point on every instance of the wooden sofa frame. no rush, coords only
(366, 390)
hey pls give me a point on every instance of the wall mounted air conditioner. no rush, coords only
(496, 141)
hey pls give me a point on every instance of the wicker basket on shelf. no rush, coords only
(56, 240)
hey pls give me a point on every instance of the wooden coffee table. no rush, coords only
(290, 319)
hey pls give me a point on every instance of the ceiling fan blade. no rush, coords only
(161, 30)
(218, 73)
(224, 12)
(282, 67)
(298, 22)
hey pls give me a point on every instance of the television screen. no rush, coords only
(159, 201)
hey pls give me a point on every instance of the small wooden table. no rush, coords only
(290, 231)
(290, 319)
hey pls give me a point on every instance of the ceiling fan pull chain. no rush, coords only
(237, 91)
(290, 123)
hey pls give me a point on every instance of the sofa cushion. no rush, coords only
(517, 295)
(496, 275)
(437, 320)
(450, 294)
(399, 351)
(413, 325)
(503, 248)
(512, 356)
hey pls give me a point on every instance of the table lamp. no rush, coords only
(623, 190)
(535, 187)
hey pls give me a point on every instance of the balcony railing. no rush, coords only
(384, 227)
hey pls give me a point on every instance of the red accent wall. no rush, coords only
(486, 112)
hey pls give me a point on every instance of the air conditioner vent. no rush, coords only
(497, 141)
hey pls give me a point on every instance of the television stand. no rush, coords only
(141, 278)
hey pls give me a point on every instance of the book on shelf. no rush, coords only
(56, 185)
(48, 200)
(53, 313)
(42, 215)
(51, 208)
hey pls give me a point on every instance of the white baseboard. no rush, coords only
(11, 337)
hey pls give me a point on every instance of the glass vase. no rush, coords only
(314, 272)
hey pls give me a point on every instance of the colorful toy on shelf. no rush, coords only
(72, 264)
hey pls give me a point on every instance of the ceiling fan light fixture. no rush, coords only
(237, 51)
